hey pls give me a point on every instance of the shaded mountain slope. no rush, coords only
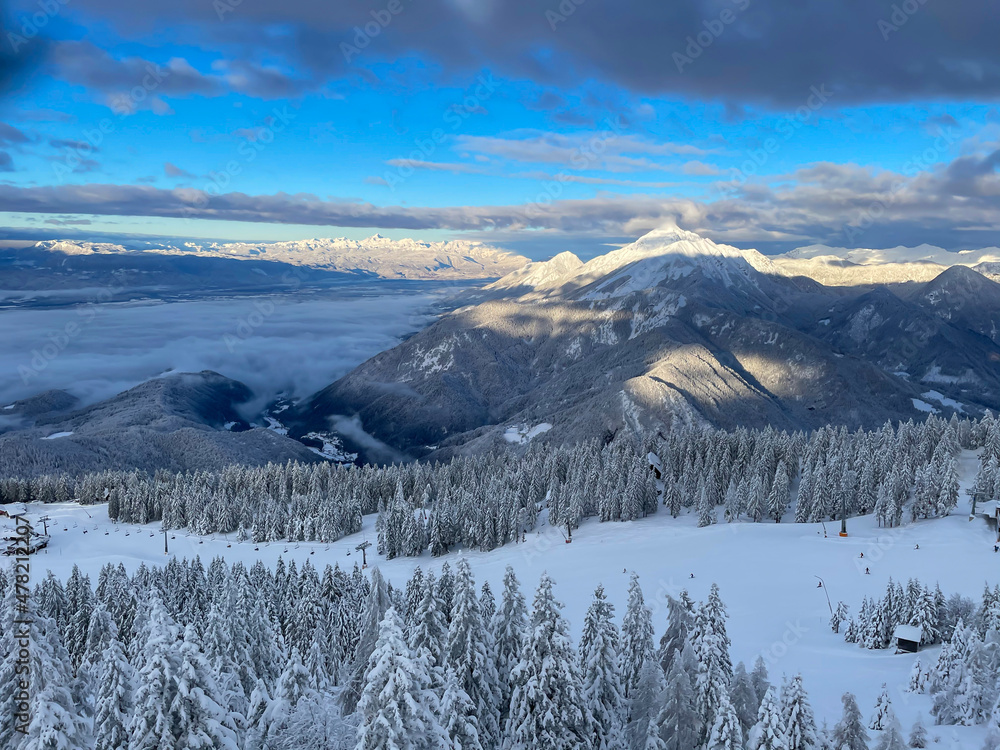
(179, 422)
(670, 327)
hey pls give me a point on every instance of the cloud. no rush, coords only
(84, 64)
(6, 162)
(171, 171)
(11, 135)
(69, 143)
(726, 49)
(584, 180)
(601, 149)
(299, 345)
(952, 204)
(433, 166)
(700, 168)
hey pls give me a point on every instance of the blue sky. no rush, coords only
(537, 125)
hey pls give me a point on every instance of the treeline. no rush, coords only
(482, 502)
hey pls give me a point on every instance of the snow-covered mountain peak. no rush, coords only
(541, 275)
(670, 253)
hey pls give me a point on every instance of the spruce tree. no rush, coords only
(201, 721)
(797, 716)
(113, 704)
(375, 607)
(396, 710)
(469, 644)
(601, 677)
(637, 637)
(547, 705)
(679, 722)
(769, 731)
(726, 733)
(883, 709)
(152, 723)
(918, 735)
(850, 733)
(458, 715)
(509, 635)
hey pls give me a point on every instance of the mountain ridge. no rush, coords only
(672, 326)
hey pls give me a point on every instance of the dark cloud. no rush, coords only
(6, 162)
(135, 82)
(764, 51)
(11, 135)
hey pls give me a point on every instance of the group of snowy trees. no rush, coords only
(916, 605)
(965, 678)
(482, 502)
(246, 659)
(230, 657)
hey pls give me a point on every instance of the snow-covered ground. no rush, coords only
(524, 434)
(767, 574)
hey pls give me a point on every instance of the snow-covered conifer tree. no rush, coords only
(918, 735)
(458, 715)
(726, 733)
(396, 709)
(769, 731)
(883, 709)
(547, 705)
(850, 733)
(637, 637)
(467, 654)
(113, 703)
(201, 721)
(797, 716)
(678, 720)
(601, 675)
(509, 634)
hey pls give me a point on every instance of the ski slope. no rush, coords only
(767, 574)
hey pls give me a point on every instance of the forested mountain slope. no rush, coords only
(672, 327)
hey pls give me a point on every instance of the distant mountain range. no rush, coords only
(60, 263)
(671, 328)
(675, 327)
(838, 266)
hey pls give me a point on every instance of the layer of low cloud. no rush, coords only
(276, 343)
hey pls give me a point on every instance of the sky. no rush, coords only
(538, 125)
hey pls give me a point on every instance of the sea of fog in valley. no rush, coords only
(289, 343)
